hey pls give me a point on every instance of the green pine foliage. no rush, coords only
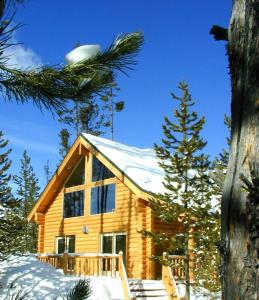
(10, 221)
(85, 116)
(189, 192)
(6, 198)
(51, 86)
(220, 163)
(82, 290)
(47, 171)
(28, 194)
(64, 142)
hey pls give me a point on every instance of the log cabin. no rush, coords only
(98, 202)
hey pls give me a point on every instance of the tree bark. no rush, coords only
(240, 246)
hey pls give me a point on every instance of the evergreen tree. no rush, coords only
(221, 163)
(93, 115)
(84, 116)
(110, 106)
(10, 222)
(28, 193)
(6, 197)
(188, 190)
(47, 171)
(64, 143)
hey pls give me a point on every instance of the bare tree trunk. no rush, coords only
(240, 238)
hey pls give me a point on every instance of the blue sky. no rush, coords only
(177, 47)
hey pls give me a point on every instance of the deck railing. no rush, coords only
(90, 264)
(168, 268)
(177, 266)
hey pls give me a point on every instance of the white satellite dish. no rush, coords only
(81, 53)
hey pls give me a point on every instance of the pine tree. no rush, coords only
(6, 197)
(188, 192)
(85, 116)
(110, 106)
(93, 115)
(28, 193)
(10, 222)
(47, 170)
(64, 143)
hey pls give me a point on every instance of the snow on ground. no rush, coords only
(45, 282)
(199, 293)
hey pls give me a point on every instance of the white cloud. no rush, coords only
(22, 58)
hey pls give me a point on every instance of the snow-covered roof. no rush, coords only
(139, 165)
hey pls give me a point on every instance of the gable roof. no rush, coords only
(137, 168)
(139, 165)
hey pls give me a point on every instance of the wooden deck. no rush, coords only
(97, 264)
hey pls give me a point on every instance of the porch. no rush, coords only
(112, 265)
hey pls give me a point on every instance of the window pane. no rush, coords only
(71, 244)
(103, 199)
(60, 245)
(99, 171)
(78, 175)
(74, 204)
(107, 244)
(120, 245)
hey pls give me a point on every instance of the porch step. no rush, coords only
(147, 289)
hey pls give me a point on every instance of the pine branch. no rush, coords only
(80, 291)
(51, 86)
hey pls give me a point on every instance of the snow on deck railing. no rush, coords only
(78, 254)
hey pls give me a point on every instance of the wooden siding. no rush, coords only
(124, 219)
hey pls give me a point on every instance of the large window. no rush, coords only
(103, 199)
(74, 204)
(99, 171)
(74, 192)
(77, 176)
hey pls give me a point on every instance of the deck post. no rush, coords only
(65, 262)
(168, 280)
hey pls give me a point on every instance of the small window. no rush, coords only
(74, 204)
(103, 199)
(99, 171)
(65, 243)
(78, 175)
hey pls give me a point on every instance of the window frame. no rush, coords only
(92, 184)
(73, 171)
(66, 238)
(83, 203)
(76, 188)
(90, 200)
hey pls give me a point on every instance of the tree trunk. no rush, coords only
(240, 243)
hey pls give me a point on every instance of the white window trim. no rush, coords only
(113, 234)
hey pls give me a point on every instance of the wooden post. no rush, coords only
(168, 281)
(120, 261)
(192, 258)
(65, 263)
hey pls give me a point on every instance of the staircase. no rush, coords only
(147, 289)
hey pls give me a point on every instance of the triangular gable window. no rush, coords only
(78, 175)
(99, 171)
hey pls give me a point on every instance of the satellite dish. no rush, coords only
(81, 53)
